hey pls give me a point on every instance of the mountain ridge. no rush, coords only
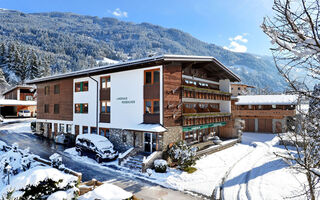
(76, 41)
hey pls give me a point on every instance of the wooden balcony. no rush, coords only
(105, 117)
(264, 113)
(151, 118)
(105, 94)
(151, 91)
(204, 93)
(190, 119)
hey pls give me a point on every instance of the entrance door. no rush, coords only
(150, 142)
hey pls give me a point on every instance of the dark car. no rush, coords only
(96, 147)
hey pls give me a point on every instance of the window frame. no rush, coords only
(56, 89)
(46, 110)
(152, 106)
(106, 78)
(54, 108)
(47, 90)
(81, 83)
(86, 128)
(75, 108)
(152, 76)
(106, 109)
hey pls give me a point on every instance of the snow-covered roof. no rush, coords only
(13, 102)
(157, 128)
(99, 141)
(19, 86)
(107, 191)
(267, 100)
(133, 63)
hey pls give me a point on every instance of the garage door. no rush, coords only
(249, 126)
(265, 125)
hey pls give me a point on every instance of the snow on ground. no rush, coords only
(106, 191)
(18, 127)
(248, 170)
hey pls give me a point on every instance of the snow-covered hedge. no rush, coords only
(182, 155)
(38, 183)
(160, 165)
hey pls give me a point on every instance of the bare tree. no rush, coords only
(294, 32)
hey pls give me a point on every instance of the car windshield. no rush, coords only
(26, 111)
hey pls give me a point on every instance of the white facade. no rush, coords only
(126, 100)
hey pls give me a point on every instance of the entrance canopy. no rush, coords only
(12, 102)
(156, 128)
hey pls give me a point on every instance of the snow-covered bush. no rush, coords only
(160, 166)
(56, 161)
(39, 183)
(182, 155)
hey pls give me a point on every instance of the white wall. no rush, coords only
(225, 86)
(126, 100)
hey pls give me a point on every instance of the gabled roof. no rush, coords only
(267, 100)
(18, 86)
(140, 63)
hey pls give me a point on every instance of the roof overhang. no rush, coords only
(140, 63)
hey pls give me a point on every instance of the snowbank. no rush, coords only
(106, 191)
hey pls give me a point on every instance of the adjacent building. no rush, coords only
(146, 103)
(21, 97)
(265, 113)
(240, 89)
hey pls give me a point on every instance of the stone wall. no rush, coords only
(173, 134)
(122, 140)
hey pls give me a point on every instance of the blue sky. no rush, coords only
(233, 24)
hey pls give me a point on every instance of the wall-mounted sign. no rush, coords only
(125, 100)
(193, 128)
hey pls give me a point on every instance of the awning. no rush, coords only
(12, 102)
(157, 128)
(198, 127)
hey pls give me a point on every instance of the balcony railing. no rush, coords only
(190, 119)
(205, 93)
(105, 117)
(264, 113)
(151, 118)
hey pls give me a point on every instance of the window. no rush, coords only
(56, 89)
(93, 130)
(238, 88)
(152, 76)
(250, 106)
(124, 138)
(105, 82)
(56, 109)
(69, 128)
(260, 107)
(274, 106)
(84, 129)
(47, 90)
(105, 107)
(29, 98)
(152, 106)
(82, 86)
(46, 108)
(104, 132)
(81, 108)
(61, 128)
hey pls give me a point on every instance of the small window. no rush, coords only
(148, 107)
(156, 76)
(152, 106)
(105, 107)
(61, 128)
(29, 98)
(250, 106)
(56, 89)
(46, 108)
(124, 138)
(238, 88)
(84, 129)
(56, 109)
(156, 107)
(148, 77)
(93, 130)
(260, 107)
(69, 128)
(274, 106)
(81, 108)
(152, 76)
(105, 82)
(82, 86)
(47, 90)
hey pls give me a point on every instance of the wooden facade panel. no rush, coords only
(64, 99)
(249, 125)
(105, 94)
(151, 118)
(105, 117)
(12, 95)
(151, 91)
(172, 81)
(265, 125)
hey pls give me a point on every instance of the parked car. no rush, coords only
(1, 118)
(96, 147)
(24, 113)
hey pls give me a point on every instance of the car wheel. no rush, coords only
(98, 159)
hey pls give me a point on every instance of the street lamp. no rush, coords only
(8, 168)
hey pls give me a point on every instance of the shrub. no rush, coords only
(190, 170)
(160, 166)
(182, 154)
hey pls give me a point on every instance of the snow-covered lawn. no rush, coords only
(23, 127)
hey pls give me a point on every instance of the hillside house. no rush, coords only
(21, 97)
(146, 103)
(265, 113)
(240, 89)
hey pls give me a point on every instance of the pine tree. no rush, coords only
(34, 67)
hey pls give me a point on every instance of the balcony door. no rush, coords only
(150, 142)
